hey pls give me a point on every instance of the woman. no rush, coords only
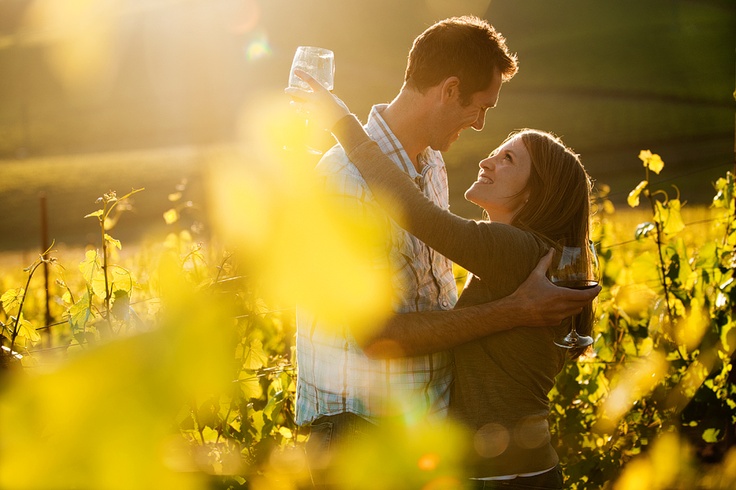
(535, 193)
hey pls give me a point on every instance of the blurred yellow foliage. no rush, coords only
(269, 203)
(105, 418)
(634, 382)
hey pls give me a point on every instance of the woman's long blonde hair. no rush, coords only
(558, 208)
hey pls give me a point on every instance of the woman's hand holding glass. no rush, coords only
(323, 108)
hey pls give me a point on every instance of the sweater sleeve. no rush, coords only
(468, 243)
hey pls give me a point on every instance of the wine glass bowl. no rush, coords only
(575, 268)
(320, 64)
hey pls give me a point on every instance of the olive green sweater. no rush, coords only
(501, 381)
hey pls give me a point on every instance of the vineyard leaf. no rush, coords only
(121, 305)
(728, 336)
(286, 432)
(28, 331)
(670, 217)
(11, 297)
(121, 279)
(209, 435)
(79, 313)
(711, 435)
(652, 161)
(707, 257)
(258, 424)
(255, 357)
(644, 230)
(250, 386)
(633, 199)
(90, 268)
(113, 241)
(644, 270)
(725, 188)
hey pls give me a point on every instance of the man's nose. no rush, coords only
(480, 122)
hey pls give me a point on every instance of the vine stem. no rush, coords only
(16, 326)
(107, 199)
(659, 231)
(108, 292)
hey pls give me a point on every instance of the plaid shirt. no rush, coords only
(334, 376)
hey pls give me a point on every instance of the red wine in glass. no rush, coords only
(575, 268)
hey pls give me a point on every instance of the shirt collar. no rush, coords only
(379, 131)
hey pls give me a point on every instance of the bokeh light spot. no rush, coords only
(491, 440)
(428, 462)
(257, 49)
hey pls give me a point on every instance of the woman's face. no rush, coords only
(501, 185)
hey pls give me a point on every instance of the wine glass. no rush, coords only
(320, 64)
(575, 268)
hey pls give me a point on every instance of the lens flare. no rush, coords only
(257, 49)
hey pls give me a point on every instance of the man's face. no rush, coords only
(454, 117)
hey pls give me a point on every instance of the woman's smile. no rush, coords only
(501, 183)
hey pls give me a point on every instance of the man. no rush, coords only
(454, 75)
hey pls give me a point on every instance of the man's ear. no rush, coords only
(450, 88)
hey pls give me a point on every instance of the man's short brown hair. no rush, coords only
(466, 47)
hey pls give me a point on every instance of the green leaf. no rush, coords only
(96, 214)
(250, 386)
(91, 271)
(79, 313)
(121, 305)
(652, 161)
(28, 331)
(255, 357)
(209, 435)
(644, 230)
(89, 266)
(633, 199)
(258, 423)
(725, 191)
(711, 435)
(670, 217)
(113, 241)
(11, 297)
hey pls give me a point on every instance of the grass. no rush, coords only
(72, 184)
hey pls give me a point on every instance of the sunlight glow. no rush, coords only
(79, 38)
